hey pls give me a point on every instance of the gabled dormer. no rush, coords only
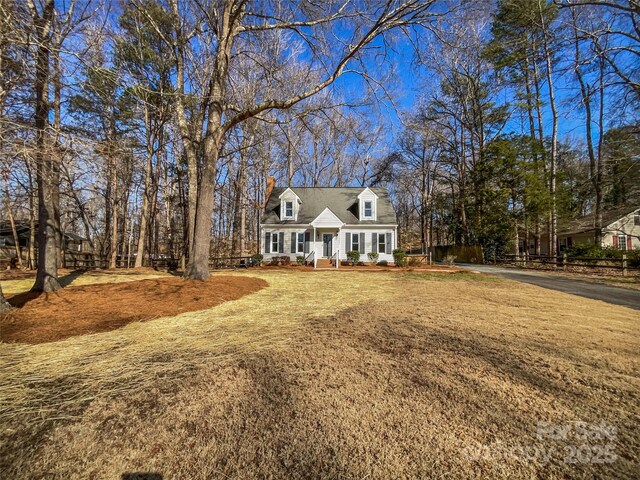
(289, 205)
(367, 205)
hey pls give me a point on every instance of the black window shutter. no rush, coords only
(307, 241)
(294, 242)
(374, 242)
(267, 242)
(347, 242)
(281, 242)
(387, 244)
(361, 243)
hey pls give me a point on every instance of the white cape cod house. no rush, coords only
(323, 224)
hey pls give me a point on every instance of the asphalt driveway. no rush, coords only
(616, 295)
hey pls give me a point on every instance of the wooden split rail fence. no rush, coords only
(565, 263)
(91, 261)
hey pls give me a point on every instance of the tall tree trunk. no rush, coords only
(57, 148)
(190, 136)
(534, 157)
(48, 227)
(32, 222)
(12, 222)
(198, 266)
(599, 173)
(240, 209)
(113, 246)
(553, 224)
(144, 212)
(585, 93)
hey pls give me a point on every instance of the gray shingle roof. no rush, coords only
(587, 223)
(343, 201)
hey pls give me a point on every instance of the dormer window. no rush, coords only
(367, 205)
(368, 209)
(289, 205)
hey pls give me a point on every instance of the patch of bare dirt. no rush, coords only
(41, 318)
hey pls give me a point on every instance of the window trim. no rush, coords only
(355, 242)
(382, 243)
(622, 242)
(286, 214)
(300, 243)
(364, 209)
(274, 243)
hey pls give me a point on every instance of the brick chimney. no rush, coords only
(271, 182)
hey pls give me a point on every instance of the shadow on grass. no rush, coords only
(282, 422)
(21, 299)
(68, 279)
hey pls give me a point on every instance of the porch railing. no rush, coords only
(307, 261)
(337, 258)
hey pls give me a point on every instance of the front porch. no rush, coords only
(326, 240)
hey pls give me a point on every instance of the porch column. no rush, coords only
(315, 252)
(338, 249)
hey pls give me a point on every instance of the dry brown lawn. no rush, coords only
(335, 375)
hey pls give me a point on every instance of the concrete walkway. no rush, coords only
(606, 293)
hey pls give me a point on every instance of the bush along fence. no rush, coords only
(463, 254)
(627, 263)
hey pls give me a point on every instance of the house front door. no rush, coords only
(327, 245)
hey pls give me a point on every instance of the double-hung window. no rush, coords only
(288, 209)
(622, 242)
(355, 242)
(368, 209)
(301, 242)
(382, 243)
(274, 243)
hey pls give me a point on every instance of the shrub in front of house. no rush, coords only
(590, 253)
(284, 260)
(281, 260)
(257, 259)
(383, 263)
(300, 259)
(353, 257)
(373, 257)
(399, 257)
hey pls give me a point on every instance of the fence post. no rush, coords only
(430, 258)
(624, 264)
(564, 262)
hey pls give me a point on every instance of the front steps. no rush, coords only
(324, 263)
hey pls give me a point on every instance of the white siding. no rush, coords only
(625, 226)
(286, 250)
(327, 219)
(338, 242)
(368, 230)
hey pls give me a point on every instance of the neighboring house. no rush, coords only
(620, 229)
(72, 243)
(322, 223)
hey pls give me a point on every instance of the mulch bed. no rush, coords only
(41, 318)
(367, 268)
